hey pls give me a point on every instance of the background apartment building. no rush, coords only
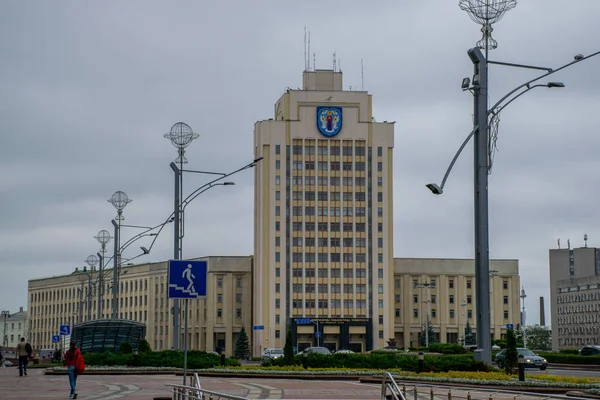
(14, 327)
(143, 297)
(323, 218)
(575, 297)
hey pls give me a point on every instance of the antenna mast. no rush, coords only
(334, 62)
(314, 62)
(305, 63)
(308, 57)
(362, 76)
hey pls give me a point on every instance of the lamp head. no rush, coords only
(145, 250)
(228, 183)
(466, 82)
(555, 85)
(578, 57)
(434, 187)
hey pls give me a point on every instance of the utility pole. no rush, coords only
(523, 296)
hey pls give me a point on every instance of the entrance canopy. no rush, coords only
(106, 335)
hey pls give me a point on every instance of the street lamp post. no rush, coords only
(523, 318)
(119, 200)
(103, 237)
(426, 285)
(92, 261)
(318, 333)
(463, 304)
(5, 316)
(487, 12)
(181, 135)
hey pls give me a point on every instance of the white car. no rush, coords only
(272, 353)
(8, 363)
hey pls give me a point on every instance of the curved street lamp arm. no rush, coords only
(439, 189)
(526, 84)
(206, 187)
(514, 98)
(195, 193)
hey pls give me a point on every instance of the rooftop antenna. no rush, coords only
(585, 238)
(308, 57)
(305, 58)
(569, 244)
(339, 65)
(558, 241)
(362, 76)
(334, 62)
(314, 62)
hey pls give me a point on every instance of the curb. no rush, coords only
(592, 367)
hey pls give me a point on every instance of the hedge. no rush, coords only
(389, 360)
(562, 358)
(167, 358)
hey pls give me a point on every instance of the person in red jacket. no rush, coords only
(71, 361)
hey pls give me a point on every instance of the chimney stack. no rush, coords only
(542, 312)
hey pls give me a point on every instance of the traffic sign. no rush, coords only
(301, 321)
(65, 330)
(510, 326)
(318, 334)
(258, 327)
(187, 279)
(56, 339)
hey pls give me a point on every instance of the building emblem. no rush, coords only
(329, 120)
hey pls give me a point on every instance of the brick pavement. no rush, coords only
(145, 387)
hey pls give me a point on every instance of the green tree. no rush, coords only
(242, 345)
(510, 353)
(431, 337)
(144, 346)
(288, 349)
(469, 339)
(125, 348)
(539, 338)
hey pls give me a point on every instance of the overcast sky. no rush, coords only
(88, 88)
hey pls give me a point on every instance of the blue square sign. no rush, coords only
(56, 339)
(65, 330)
(510, 326)
(187, 279)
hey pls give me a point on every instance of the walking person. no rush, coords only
(71, 357)
(23, 352)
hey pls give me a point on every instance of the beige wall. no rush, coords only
(454, 281)
(143, 298)
(14, 329)
(280, 293)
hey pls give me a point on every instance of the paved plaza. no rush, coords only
(137, 387)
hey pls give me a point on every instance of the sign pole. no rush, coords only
(185, 341)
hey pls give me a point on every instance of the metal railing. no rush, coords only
(390, 389)
(181, 392)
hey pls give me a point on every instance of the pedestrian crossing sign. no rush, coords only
(187, 279)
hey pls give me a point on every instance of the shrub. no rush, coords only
(166, 358)
(144, 346)
(562, 358)
(125, 348)
(446, 348)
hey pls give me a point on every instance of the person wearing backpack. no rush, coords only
(23, 354)
(75, 366)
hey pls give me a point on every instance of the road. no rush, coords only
(566, 372)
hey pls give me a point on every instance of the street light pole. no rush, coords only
(119, 200)
(426, 285)
(463, 304)
(103, 237)
(523, 296)
(5, 315)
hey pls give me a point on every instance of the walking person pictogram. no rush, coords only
(187, 274)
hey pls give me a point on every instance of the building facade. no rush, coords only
(575, 297)
(323, 219)
(143, 297)
(444, 289)
(14, 327)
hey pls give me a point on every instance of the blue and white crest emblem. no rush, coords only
(329, 120)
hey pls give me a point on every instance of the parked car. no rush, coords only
(272, 353)
(8, 363)
(320, 350)
(342, 351)
(590, 350)
(532, 360)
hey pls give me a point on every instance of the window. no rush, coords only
(277, 164)
(469, 314)
(451, 283)
(468, 284)
(433, 313)
(451, 299)
(277, 195)
(278, 149)
(219, 313)
(469, 299)
(379, 152)
(415, 299)
(505, 285)
(505, 299)
(297, 150)
(380, 166)
(451, 313)
(277, 180)
(416, 313)
(505, 314)
(219, 282)
(433, 299)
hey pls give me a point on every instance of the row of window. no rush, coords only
(311, 195)
(579, 329)
(310, 211)
(335, 303)
(332, 180)
(578, 319)
(334, 272)
(332, 226)
(432, 284)
(333, 149)
(329, 257)
(359, 166)
(579, 308)
(574, 298)
(325, 242)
